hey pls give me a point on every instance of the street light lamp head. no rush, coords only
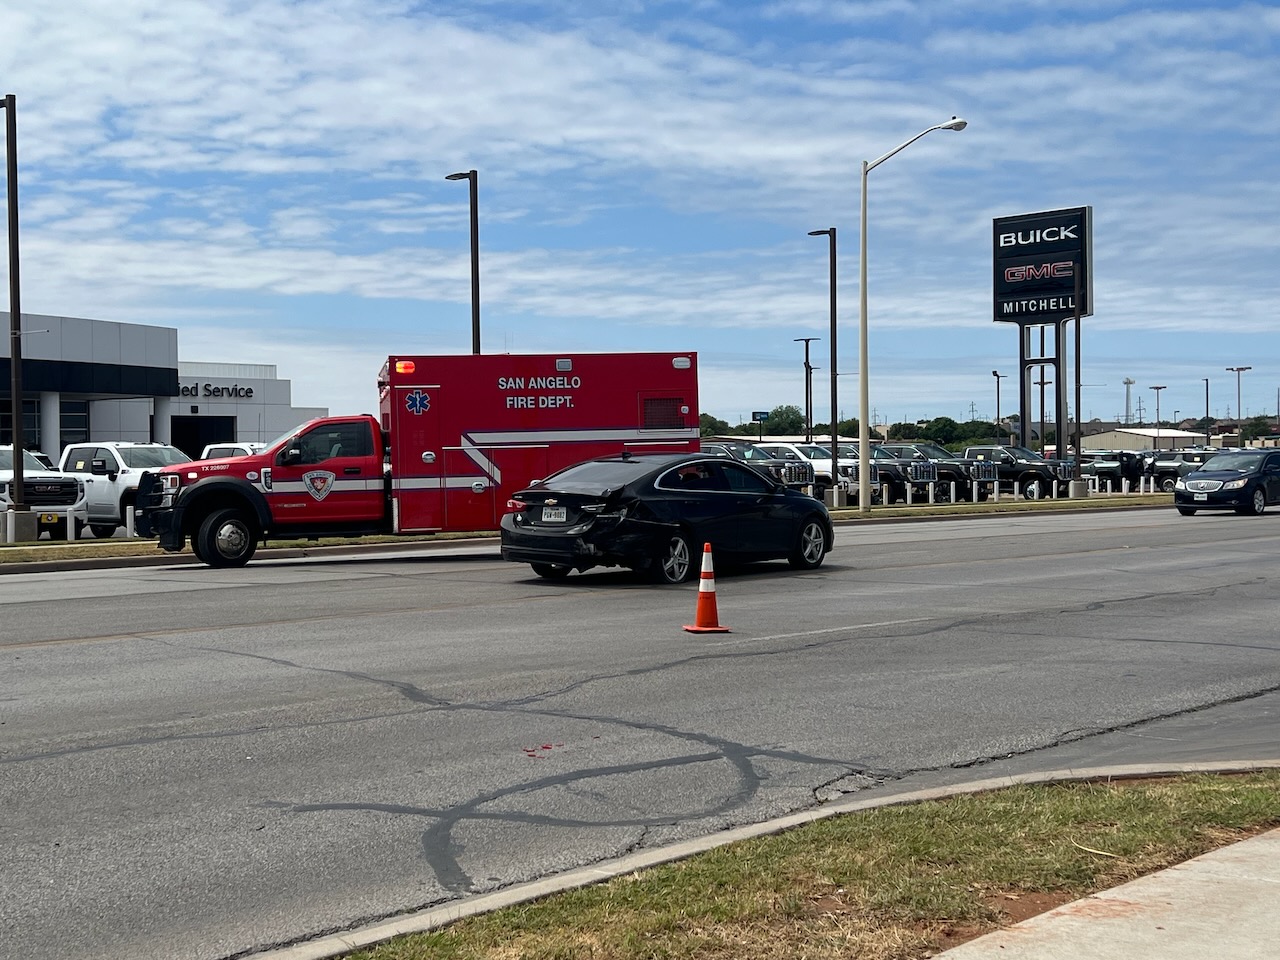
(955, 123)
(461, 176)
(821, 233)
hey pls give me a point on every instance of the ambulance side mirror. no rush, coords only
(291, 456)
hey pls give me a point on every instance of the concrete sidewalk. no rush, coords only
(1225, 904)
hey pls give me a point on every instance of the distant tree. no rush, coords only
(1258, 426)
(904, 431)
(709, 426)
(942, 430)
(785, 420)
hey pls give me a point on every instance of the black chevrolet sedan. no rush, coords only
(654, 512)
(1245, 481)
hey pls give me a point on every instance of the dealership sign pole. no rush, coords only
(1043, 276)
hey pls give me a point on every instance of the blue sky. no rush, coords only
(268, 177)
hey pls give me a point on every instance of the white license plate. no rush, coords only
(554, 514)
(1201, 496)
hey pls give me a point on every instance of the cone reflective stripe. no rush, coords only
(705, 618)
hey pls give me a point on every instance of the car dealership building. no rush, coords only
(101, 380)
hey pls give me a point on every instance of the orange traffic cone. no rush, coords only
(706, 620)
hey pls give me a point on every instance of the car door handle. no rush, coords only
(350, 469)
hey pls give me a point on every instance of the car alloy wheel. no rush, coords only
(811, 546)
(1259, 502)
(675, 565)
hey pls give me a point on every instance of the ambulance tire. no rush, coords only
(226, 538)
(551, 571)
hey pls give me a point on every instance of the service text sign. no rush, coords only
(1041, 261)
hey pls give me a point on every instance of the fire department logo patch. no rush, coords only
(318, 483)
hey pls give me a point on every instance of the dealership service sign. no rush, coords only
(1042, 260)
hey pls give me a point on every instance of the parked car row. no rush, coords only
(96, 481)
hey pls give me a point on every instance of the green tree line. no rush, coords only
(788, 420)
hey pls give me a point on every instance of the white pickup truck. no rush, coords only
(816, 455)
(110, 471)
(51, 496)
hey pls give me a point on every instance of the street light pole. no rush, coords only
(808, 388)
(475, 255)
(999, 376)
(1157, 390)
(17, 491)
(830, 232)
(1208, 436)
(1239, 410)
(864, 395)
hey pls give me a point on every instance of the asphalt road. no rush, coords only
(200, 764)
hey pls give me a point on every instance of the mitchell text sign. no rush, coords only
(1041, 261)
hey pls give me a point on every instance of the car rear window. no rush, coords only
(598, 474)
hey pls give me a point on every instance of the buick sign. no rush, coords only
(1041, 261)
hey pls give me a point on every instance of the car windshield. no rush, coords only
(1243, 462)
(933, 451)
(1022, 453)
(29, 463)
(813, 451)
(848, 450)
(755, 453)
(152, 456)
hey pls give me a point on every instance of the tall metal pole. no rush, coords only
(999, 376)
(1157, 390)
(1208, 436)
(808, 388)
(864, 394)
(1239, 409)
(473, 177)
(15, 301)
(830, 232)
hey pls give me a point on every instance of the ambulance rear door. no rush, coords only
(417, 454)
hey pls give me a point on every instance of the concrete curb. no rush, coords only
(274, 553)
(432, 918)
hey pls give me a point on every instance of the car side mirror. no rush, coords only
(98, 468)
(290, 456)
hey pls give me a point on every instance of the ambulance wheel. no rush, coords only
(675, 563)
(551, 571)
(226, 538)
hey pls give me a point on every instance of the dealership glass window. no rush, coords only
(73, 423)
(30, 423)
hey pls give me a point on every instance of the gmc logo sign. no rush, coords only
(1039, 271)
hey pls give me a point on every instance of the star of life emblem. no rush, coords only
(318, 483)
(417, 402)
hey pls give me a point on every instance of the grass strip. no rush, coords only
(893, 883)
